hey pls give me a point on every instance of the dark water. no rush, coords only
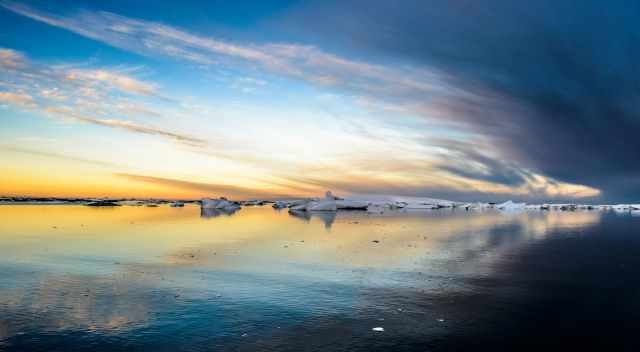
(74, 278)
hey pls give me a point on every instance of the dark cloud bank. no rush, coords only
(555, 85)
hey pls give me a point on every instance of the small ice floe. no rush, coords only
(511, 206)
(477, 206)
(280, 204)
(376, 208)
(379, 329)
(410, 203)
(322, 205)
(254, 202)
(221, 203)
(298, 207)
(103, 203)
(328, 203)
(177, 205)
(297, 204)
(351, 204)
(625, 207)
(397, 205)
(564, 207)
(380, 207)
(421, 206)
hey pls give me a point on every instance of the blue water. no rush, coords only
(166, 279)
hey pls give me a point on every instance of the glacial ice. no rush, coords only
(331, 203)
(509, 205)
(221, 203)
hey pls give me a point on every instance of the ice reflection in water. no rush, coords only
(153, 278)
(327, 217)
(212, 213)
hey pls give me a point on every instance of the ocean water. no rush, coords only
(76, 278)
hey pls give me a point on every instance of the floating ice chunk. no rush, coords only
(475, 206)
(621, 207)
(254, 202)
(422, 206)
(379, 328)
(328, 203)
(299, 207)
(221, 203)
(351, 204)
(322, 205)
(509, 205)
(397, 205)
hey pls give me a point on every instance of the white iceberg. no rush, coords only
(222, 203)
(351, 204)
(326, 204)
(280, 204)
(509, 205)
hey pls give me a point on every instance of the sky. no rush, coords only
(457, 99)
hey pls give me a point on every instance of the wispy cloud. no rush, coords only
(305, 62)
(402, 163)
(10, 59)
(24, 100)
(213, 190)
(112, 80)
(88, 95)
(65, 112)
(48, 154)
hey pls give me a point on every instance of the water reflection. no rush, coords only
(327, 217)
(262, 280)
(212, 213)
(74, 302)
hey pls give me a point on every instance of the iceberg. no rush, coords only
(222, 203)
(509, 205)
(326, 204)
(254, 202)
(351, 204)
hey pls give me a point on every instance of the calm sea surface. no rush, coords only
(75, 278)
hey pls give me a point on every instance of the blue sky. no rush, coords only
(291, 98)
